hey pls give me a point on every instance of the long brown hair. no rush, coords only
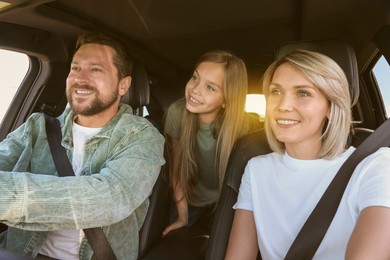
(229, 125)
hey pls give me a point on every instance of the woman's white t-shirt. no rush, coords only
(282, 192)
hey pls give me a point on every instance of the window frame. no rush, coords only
(370, 99)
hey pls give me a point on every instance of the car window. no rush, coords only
(145, 111)
(255, 103)
(13, 69)
(382, 75)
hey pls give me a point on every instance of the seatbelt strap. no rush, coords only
(95, 236)
(313, 231)
(54, 137)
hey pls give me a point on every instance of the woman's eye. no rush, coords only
(303, 94)
(211, 88)
(194, 77)
(74, 68)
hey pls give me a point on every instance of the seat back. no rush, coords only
(249, 146)
(256, 144)
(157, 217)
(138, 95)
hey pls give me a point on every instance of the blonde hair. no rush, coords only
(330, 79)
(230, 123)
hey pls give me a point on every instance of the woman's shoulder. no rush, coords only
(382, 154)
(265, 158)
(374, 166)
(383, 151)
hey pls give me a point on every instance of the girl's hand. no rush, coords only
(182, 216)
(175, 225)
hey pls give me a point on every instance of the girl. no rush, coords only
(308, 121)
(201, 130)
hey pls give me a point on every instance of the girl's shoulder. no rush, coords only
(173, 118)
(177, 107)
(178, 104)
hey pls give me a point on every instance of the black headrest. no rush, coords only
(138, 94)
(339, 51)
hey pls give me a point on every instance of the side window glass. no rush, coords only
(13, 69)
(255, 103)
(145, 111)
(382, 76)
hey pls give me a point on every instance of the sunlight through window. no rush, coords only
(255, 103)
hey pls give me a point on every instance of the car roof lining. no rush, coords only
(168, 36)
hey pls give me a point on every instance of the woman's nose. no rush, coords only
(286, 103)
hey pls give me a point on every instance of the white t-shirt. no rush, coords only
(282, 192)
(65, 244)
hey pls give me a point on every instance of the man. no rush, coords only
(115, 155)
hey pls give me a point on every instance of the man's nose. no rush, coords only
(81, 77)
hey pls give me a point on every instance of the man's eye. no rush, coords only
(96, 69)
(275, 92)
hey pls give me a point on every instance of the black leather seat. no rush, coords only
(156, 219)
(256, 144)
(249, 146)
(138, 95)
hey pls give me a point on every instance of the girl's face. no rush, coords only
(297, 111)
(204, 93)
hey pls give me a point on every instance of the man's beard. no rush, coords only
(96, 106)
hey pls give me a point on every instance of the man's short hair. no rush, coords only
(121, 59)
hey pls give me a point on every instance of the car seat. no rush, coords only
(138, 97)
(256, 143)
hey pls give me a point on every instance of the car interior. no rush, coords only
(165, 38)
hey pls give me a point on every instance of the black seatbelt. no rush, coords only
(313, 231)
(95, 236)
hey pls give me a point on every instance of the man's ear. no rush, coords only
(124, 85)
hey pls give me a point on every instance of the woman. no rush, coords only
(307, 123)
(201, 130)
